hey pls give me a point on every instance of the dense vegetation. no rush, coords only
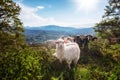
(109, 27)
(21, 62)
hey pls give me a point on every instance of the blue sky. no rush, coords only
(68, 13)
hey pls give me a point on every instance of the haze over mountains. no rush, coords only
(43, 33)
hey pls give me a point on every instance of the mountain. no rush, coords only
(51, 28)
(70, 30)
(43, 33)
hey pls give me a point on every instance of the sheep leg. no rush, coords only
(69, 62)
(75, 62)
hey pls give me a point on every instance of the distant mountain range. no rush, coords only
(42, 33)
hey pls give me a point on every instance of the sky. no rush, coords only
(66, 13)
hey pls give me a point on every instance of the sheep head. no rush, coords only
(59, 43)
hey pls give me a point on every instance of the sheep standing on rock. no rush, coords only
(68, 52)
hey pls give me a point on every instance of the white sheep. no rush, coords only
(50, 43)
(68, 52)
(70, 39)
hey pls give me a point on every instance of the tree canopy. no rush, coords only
(113, 9)
(11, 28)
(109, 27)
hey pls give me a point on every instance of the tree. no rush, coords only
(109, 27)
(11, 28)
(113, 9)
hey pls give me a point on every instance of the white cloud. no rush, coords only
(86, 5)
(18, 1)
(30, 17)
(40, 7)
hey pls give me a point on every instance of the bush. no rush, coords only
(37, 63)
(20, 65)
(105, 66)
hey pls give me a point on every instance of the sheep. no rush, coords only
(69, 39)
(50, 43)
(68, 52)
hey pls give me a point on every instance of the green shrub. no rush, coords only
(107, 60)
(81, 74)
(37, 63)
(20, 65)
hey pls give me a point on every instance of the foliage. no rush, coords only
(81, 74)
(109, 27)
(37, 63)
(10, 25)
(108, 46)
(113, 8)
(107, 60)
(20, 65)
(102, 47)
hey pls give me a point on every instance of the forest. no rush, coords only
(19, 61)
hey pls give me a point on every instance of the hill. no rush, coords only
(43, 33)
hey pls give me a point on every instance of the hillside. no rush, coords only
(42, 33)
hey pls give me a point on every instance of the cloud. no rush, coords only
(86, 5)
(30, 17)
(18, 1)
(40, 7)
